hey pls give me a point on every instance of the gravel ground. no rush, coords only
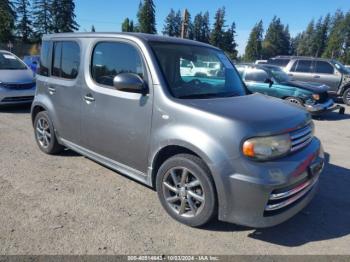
(68, 204)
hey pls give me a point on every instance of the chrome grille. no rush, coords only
(279, 200)
(301, 137)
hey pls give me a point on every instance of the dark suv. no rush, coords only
(325, 71)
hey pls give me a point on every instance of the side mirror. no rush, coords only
(129, 82)
(268, 81)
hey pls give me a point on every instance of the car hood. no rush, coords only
(310, 86)
(263, 114)
(16, 76)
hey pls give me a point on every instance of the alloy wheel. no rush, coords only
(43, 133)
(183, 192)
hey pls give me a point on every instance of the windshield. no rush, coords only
(197, 72)
(279, 75)
(342, 69)
(10, 62)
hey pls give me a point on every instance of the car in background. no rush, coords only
(32, 62)
(347, 67)
(17, 81)
(325, 71)
(261, 62)
(199, 68)
(273, 81)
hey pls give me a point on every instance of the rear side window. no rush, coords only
(302, 66)
(279, 62)
(323, 67)
(256, 75)
(66, 59)
(45, 59)
(112, 58)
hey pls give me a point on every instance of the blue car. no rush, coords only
(32, 62)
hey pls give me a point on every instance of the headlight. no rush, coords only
(316, 96)
(265, 148)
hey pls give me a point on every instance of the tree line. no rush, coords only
(329, 37)
(28, 20)
(177, 23)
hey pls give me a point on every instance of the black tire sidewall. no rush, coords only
(197, 167)
(345, 100)
(52, 148)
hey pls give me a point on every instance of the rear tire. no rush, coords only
(45, 134)
(295, 100)
(346, 97)
(186, 190)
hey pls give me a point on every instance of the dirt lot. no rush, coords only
(68, 204)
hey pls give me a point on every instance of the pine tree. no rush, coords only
(217, 33)
(336, 37)
(320, 36)
(277, 39)
(93, 30)
(42, 17)
(229, 44)
(128, 25)
(205, 29)
(197, 27)
(147, 18)
(294, 43)
(346, 56)
(253, 50)
(24, 23)
(169, 24)
(177, 24)
(7, 20)
(63, 13)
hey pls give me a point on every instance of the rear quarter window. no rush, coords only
(44, 62)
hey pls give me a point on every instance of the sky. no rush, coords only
(108, 15)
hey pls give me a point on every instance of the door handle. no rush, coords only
(52, 90)
(89, 98)
(316, 76)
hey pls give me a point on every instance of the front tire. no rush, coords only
(346, 97)
(186, 190)
(45, 134)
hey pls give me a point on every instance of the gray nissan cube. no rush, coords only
(209, 147)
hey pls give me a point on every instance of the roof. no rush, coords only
(301, 57)
(262, 66)
(141, 36)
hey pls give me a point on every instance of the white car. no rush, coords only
(204, 69)
(17, 81)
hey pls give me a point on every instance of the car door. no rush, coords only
(325, 73)
(255, 79)
(302, 70)
(64, 89)
(117, 124)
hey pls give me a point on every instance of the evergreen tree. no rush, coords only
(7, 20)
(336, 37)
(306, 45)
(346, 56)
(93, 30)
(63, 13)
(294, 43)
(42, 17)
(217, 33)
(321, 35)
(253, 50)
(169, 24)
(205, 29)
(197, 27)
(177, 24)
(128, 25)
(147, 18)
(277, 39)
(229, 44)
(24, 23)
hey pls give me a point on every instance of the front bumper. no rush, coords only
(270, 193)
(10, 96)
(327, 106)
